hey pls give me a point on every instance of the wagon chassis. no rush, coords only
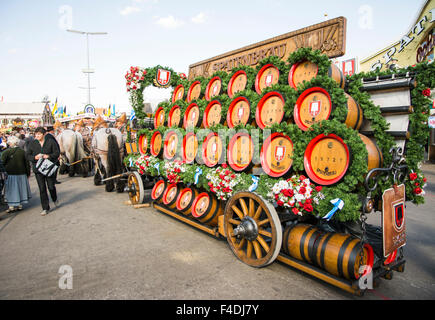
(253, 228)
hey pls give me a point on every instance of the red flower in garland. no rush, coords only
(295, 210)
(308, 207)
(426, 92)
(318, 188)
(302, 190)
(418, 190)
(412, 176)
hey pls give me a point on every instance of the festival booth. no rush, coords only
(272, 148)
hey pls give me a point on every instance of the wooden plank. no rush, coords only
(328, 36)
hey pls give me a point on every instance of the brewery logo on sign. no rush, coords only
(163, 78)
(399, 216)
(240, 113)
(279, 153)
(315, 108)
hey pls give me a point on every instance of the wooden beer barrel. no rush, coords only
(239, 112)
(206, 208)
(240, 151)
(159, 117)
(312, 106)
(270, 109)
(185, 200)
(178, 93)
(299, 240)
(212, 114)
(276, 155)
(156, 144)
(170, 196)
(237, 83)
(307, 70)
(214, 88)
(171, 145)
(143, 144)
(266, 77)
(326, 159)
(375, 158)
(190, 147)
(212, 150)
(354, 117)
(192, 116)
(158, 191)
(194, 91)
(174, 116)
(342, 255)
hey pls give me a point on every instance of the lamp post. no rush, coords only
(88, 71)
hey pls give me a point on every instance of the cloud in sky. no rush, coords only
(12, 51)
(129, 10)
(169, 22)
(199, 18)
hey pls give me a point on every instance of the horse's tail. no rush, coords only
(113, 156)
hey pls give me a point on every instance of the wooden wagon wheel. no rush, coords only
(253, 229)
(136, 190)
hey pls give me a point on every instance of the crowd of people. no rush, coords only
(23, 151)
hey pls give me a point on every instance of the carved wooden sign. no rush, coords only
(328, 36)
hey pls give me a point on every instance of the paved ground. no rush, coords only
(117, 252)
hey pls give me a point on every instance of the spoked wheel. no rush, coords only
(136, 191)
(253, 229)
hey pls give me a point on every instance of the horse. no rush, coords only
(108, 151)
(73, 156)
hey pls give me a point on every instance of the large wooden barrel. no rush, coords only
(170, 195)
(307, 70)
(312, 106)
(326, 159)
(174, 116)
(194, 91)
(178, 93)
(240, 151)
(354, 118)
(158, 191)
(190, 147)
(212, 150)
(237, 83)
(206, 208)
(266, 77)
(214, 88)
(270, 109)
(192, 116)
(342, 255)
(299, 240)
(212, 114)
(159, 117)
(156, 144)
(185, 200)
(171, 144)
(143, 144)
(375, 158)
(276, 155)
(239, 112)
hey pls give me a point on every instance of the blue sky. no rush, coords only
(38, 57)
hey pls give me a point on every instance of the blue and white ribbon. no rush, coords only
(338, 205)
(157, 166)
(131, 162)
(197, 174)
(254, 184)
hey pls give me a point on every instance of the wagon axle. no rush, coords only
(247, 229)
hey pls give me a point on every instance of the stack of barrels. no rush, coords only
(327, 158)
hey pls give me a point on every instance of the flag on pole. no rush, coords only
(132, 115)
(113, 110)
(54, 111)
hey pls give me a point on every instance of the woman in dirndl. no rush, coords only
(17, 189)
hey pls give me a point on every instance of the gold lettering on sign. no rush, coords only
(328, 36)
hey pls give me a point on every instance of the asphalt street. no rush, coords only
(94, 246)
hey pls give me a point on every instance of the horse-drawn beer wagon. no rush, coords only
(272, 148)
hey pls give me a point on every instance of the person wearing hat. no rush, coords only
(43, 147)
